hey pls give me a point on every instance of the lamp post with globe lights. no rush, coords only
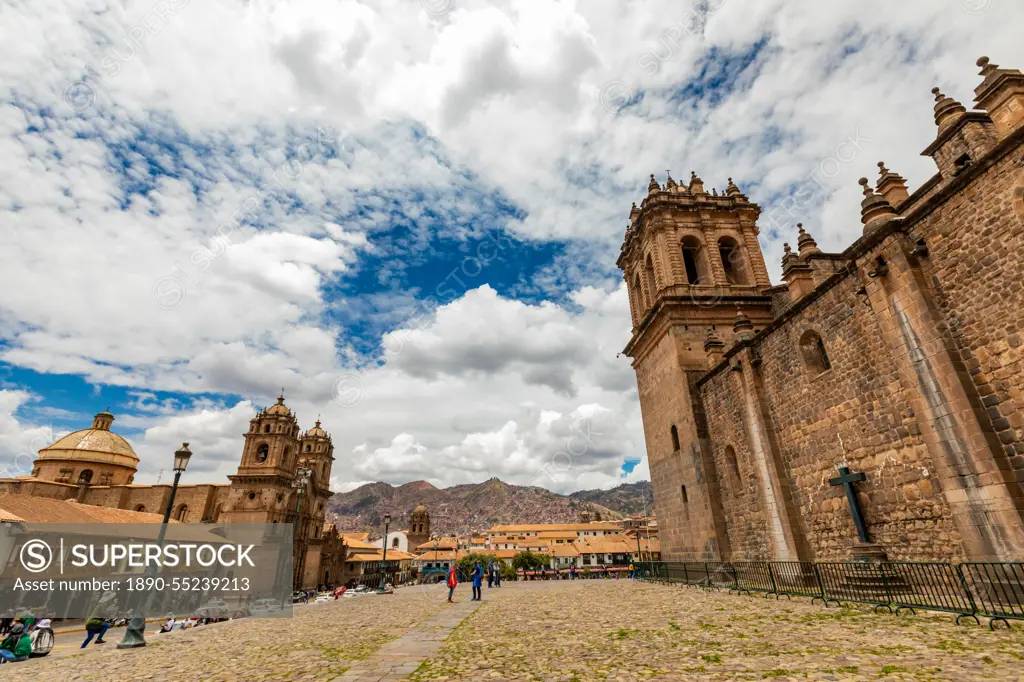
(133, 636)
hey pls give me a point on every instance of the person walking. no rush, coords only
(95, 626)
(572, 571)
(497, 574)
(478, 580)
(490, 575)
(453, 581)
(631, 570)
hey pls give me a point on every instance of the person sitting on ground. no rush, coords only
(17, 646)
(169, 625)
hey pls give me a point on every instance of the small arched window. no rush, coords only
(652, 284)
(140, 507)
(686, 502)
(693, 261)
(284, 458)
(266, 429)
(307, 448)
(85, 476)
(732, 464)
(394, 543)
(675, 438)
(732, 261)
(812, 348)
(182, 514)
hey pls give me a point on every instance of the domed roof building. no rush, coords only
(95, 455)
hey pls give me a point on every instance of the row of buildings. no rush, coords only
(88, 476)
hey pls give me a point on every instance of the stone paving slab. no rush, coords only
(320, 642)
(619, 631)
(401, 657)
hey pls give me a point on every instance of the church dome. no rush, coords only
(420, 509)
(279, 408)
(96, 445)
(316, 431)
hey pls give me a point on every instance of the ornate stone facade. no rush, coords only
(901, 358)
(96, 466)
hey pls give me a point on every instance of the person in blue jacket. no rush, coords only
(478, 582)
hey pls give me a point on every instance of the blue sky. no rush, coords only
(410, 220)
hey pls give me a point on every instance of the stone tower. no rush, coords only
(419, 527)
(697, 280)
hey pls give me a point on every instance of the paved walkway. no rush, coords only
(401, 657)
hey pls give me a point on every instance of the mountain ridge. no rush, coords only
(474, 507)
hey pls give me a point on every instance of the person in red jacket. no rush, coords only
(453, 580)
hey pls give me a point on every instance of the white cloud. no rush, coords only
(505, 96)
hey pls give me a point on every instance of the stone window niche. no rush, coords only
(812, 348)
(686, 503)
(85, 476)
(675, 439)
(733, 264)
(732, 464)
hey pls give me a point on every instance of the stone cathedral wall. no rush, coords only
(855, 412)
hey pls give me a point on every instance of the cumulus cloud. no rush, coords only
(192, 195)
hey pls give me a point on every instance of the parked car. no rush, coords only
(262, 607)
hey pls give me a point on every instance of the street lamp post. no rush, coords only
(302, 475)
(133, 636)
(384, 560)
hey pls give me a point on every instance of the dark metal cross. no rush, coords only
(846, 479)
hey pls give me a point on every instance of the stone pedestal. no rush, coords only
(868, 552)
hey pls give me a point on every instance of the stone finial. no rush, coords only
(696, 184)
(874, 209)
(653, 186)
(742, 327)
(1001, 95)
(634, 212)
(670, 184)
(731, 189)
(891, 185)
(947, 109)
(714, 347)
(787, 254)
(805, 242)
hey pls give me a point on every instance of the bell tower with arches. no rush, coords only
(419, 527)
(697, 280)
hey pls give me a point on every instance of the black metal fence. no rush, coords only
(992, 590)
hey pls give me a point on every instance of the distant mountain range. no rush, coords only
(466, 509)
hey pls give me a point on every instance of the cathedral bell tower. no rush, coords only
(693, 266)
(261, 490)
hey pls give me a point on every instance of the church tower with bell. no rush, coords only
(867, 407)
(696, 279)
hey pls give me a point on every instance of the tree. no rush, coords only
(467, 563)
(529, 561)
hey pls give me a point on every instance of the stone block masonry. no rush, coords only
(900, 358)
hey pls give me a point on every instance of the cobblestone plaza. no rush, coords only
(561, 631)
